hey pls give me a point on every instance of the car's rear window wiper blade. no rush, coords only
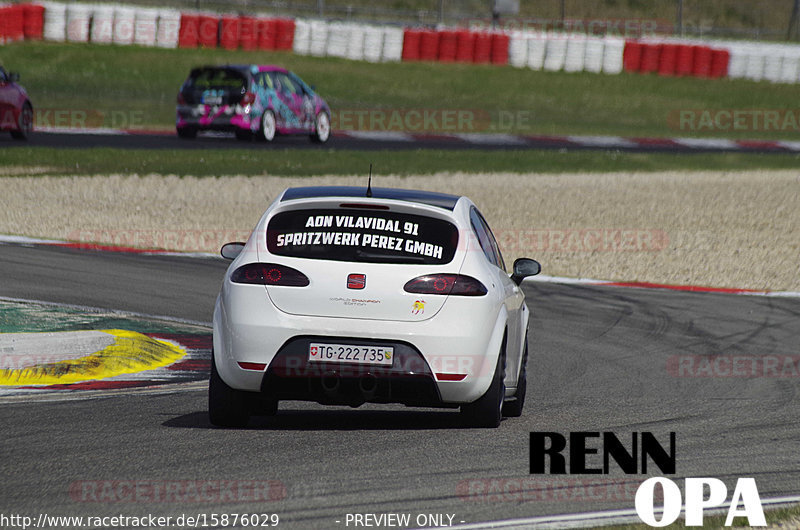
(390, 258)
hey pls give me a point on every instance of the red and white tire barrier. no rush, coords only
(550, 51)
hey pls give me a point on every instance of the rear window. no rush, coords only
(215, 86)
(217, 78)
(368, 236)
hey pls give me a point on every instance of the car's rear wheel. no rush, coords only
(322, 128)
(513, 407)
(227, 407)
(187, 132)
(486, 411)
(268, 126)
(24, 123)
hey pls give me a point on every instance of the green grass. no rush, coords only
(309, 162)
(121, 86)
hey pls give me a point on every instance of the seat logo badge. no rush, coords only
(356, 281)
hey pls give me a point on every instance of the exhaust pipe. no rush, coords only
(367, 385)
(330, 383)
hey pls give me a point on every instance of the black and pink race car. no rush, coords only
(16, 110)
(251, 101)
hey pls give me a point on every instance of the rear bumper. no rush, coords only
(215, 118)
(409, 380)
(447, 360)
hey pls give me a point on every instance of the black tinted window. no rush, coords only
(486, 239)
(217, 78)
(215, 86)
(370, 236)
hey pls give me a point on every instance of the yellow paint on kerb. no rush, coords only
(131, 352)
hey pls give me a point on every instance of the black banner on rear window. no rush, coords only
(362, 236)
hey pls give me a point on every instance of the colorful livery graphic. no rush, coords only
(251, 101)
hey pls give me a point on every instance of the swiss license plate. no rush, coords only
(350, 353)
(212, 100)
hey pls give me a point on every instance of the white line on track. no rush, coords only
(492, 139)
(479, 138)
(707, 143)
(77, 130)
(90, 309)
(83, 395)
(543, 278)
(31, 241)
(602, 141)
(379, 135)
(22, 240)
(601, 518)
(791, 145)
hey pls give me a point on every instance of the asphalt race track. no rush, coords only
(369, 140)
(599, 362)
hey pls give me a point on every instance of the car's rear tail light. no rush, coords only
(447, 377)
(252, 366)
(181, 99)
(248, 98)
(447, 284)
(269, 274)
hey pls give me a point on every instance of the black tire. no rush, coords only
(227, 407)
(485, 412)
(261, 405)
(187, 133)
(322, 128)
(24, 123)
(244, 135)
(269, 126)
(513, 407)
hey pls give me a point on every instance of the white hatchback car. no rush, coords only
(347, 295)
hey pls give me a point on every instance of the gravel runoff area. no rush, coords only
(722, 229)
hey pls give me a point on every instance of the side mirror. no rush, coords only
(13, 77)
(231, 250)
(524, 267)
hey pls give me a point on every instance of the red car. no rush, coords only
(16, 110)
